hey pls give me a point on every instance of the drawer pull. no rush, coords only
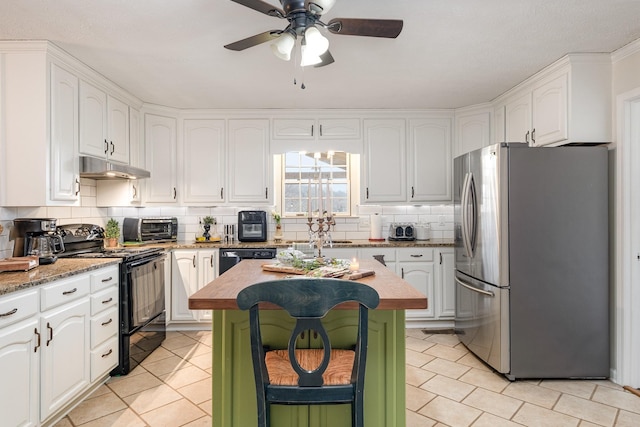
(107, 301)
(9, 313)
(107, 322)
(70, 292)
(108, 279)
(416, 256)
(108, 353)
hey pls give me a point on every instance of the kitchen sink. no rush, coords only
(306, 241)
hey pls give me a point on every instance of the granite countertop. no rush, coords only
(64, 267)
(288, 243)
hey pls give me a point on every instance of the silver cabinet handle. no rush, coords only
(211, 258)
(50, 333)
(533, 136)
(108, 279)
(526, 137)
(107, 301)
(474, 289)
(107, 322)
(113, 148)
(416, 255)
(194, 261)
(77, 186)
(413, 192)
(9, 313)
(135, 191)
(74, 290)
(311, 130)
(222, 193)
(107, 353)
(266, 192)
(367, 192)
(440, 258)
(175, 193)
(320, 130)
(106, 146)
(402, 271)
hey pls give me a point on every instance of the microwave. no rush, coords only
(150, 229)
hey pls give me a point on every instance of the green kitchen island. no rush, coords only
(234, 401)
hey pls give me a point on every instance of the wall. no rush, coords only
(439, 216)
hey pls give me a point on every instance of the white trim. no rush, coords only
(626, 50)
(626, 294)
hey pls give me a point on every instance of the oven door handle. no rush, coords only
(144, 261)
(474, 289)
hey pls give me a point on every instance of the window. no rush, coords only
(311, 180)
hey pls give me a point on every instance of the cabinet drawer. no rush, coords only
(104, 326)
(104, 278)
(103, 300)
(104, 358)
(415, 254)
(63, 291)
(370, 253)
(18, 306)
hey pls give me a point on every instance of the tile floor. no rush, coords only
(446, 386)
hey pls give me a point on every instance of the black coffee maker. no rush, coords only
(37, 236)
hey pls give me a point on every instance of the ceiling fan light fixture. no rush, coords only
(316, 43)
(323, 5)
(283, 46)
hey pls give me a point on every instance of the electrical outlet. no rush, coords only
(441, 220)
(364, 223)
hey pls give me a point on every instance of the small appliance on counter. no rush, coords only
(252, 226)
(37, 237)
(423, 231)
(402, 231)
(150, 229)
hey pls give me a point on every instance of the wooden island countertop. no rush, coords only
(395, 293)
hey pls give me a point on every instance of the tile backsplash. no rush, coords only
(440, 217)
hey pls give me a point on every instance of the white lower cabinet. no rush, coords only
(191, 270)
(46, 345)
(416, 266)
(445, 284)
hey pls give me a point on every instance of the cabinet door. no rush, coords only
(385, 255)
(429, 160)
(294, 128)
(184, 282)
(93, 121)
(384, 174)
(65, 355)
(445, 288)
(206, 274)
(249, 162)
(498, 125)
(118, 130)
(160, 144)
(339, 129)
(473, 131)
(549, 112)
(136, 146)
(420, 276)
(518, 119)
(203, 161)
(20, 374)
(65, 167)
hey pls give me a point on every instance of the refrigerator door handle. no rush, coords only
(474, 289)
(466, 240)
(473, 222)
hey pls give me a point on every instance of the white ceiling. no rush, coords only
(451, 53)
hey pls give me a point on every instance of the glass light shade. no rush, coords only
(316, 43)
(308, 58)
(283, 46)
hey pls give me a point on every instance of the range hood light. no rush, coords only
(94, 168)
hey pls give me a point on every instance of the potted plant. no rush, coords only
(111, 233)
(208, 221)
(278, 234)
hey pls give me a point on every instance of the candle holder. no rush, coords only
(320, 231)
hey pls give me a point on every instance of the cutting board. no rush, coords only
(23, 263)
(292, 270)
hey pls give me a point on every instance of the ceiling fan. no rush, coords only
(304, 20)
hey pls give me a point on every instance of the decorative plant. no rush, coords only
(112, 230)
(209, 220)
(276, 217)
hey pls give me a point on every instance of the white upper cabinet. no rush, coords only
(248, 161)
(568, 102)
(429, 160)
(104, 125)
(384, 171)
(473, 131)
(203, 166)
(160, 143)
(316, 134)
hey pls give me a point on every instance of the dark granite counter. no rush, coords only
(64, 267)
(287, 243)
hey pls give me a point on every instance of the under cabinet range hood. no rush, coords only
(94, 168)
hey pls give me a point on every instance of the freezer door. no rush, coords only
(482, 320)
(481, 216)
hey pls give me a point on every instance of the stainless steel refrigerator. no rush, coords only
(532, 259)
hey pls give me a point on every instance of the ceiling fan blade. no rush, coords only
(254, 40)
(326, 58)
(262, 7)
(389, 28)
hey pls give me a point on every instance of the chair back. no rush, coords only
(308, 301)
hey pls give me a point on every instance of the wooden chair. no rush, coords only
(309, 376)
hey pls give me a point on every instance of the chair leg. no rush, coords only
(357, 411)
(263, 413)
